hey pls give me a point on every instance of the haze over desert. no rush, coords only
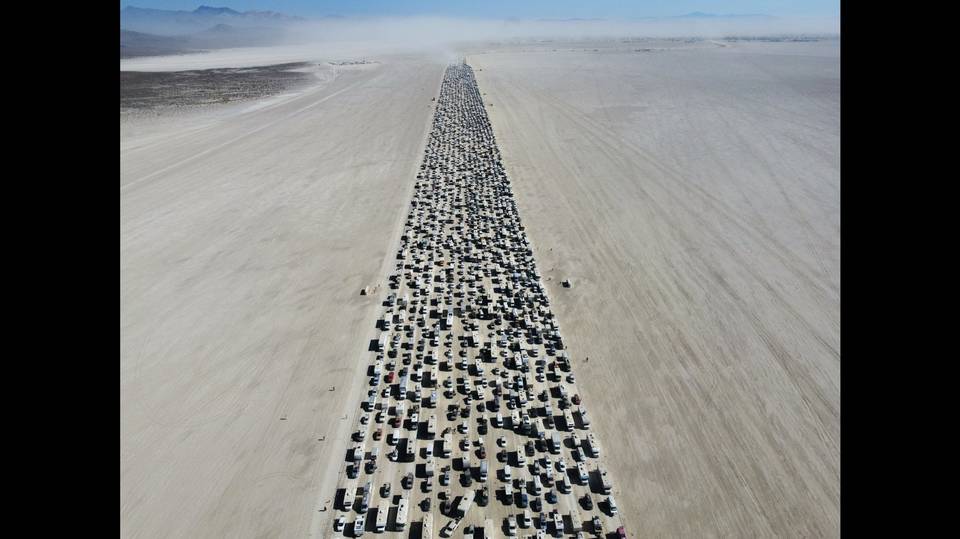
(681, 200)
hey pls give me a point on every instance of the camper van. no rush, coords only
(594, 448)
(382, 512)
(465, 503)
(402, 514)
(582, 472)
(604, 480)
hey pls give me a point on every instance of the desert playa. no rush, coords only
(692, 195)
(688, 191)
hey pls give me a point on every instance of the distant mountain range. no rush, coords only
(172, 23)
(149, 32)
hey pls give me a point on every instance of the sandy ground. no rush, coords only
(693, 198)
(245, 238)
(691, 192)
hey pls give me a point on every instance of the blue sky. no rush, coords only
(513, 8)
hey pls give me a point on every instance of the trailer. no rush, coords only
(576, 524)
(432, 426)
(427, 527)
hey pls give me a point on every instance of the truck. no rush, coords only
(411, 449)
(451, 527)
(558, 523)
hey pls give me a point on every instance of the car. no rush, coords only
(385, 491)
(407, 481)
(483, 497)
(482, 453)
(621, 533)
(377, 434)
(597, 526)
(611, 505)
(551, 496)
(587, 502)
(338, 524)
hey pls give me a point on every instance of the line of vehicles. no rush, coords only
(467, 343)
